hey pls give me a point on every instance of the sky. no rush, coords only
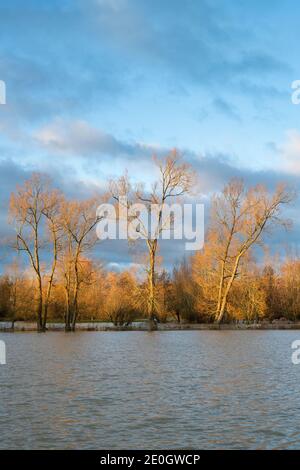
(94, 87)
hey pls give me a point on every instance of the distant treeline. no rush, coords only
(182, 296)
(222, 282)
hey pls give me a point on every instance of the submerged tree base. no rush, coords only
(152, 324)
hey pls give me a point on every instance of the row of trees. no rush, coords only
(54, 233)
(220, 282)
(188, 294)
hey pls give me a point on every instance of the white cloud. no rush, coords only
(77, 138)
(80, 139)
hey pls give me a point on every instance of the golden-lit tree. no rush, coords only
(239, 219)
(78, 219)
(20, 297)
(175, 179)
(121, 300)
(185, 294)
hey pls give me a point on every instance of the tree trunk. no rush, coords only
(67, 313)
(151, 289)
(221, 285)
(40, 323)
(223, 267)
(50, 283)
(227, 290)
(74, 317)
(46, 306)
(76, 290)
(36, 265)
(67, 288)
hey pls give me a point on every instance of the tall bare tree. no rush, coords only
(175, 179)
(78, 219)
(52, 213)
(239, 219)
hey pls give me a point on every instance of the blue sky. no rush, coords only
(97, 86)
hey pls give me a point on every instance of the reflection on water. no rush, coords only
(187, 389)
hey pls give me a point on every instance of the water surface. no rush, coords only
(140, 390)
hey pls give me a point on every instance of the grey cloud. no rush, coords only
(68, 56)
(197, 41)
(52, 64)
(78, 138)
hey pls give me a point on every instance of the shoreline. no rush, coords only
(23, 326)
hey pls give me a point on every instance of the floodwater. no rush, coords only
(150, 390)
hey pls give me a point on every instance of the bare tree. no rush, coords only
(52, 213)
(175, 179)
(239, 219)
(78, 219)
